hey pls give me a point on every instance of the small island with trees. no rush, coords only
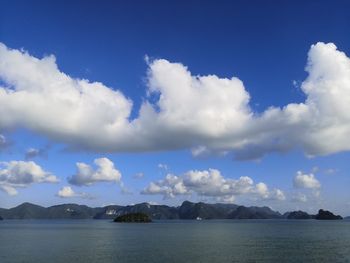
(133, 218)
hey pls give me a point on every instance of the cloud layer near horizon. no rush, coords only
(211, 184)
(203, 113)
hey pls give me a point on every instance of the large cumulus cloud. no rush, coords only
(204, 113)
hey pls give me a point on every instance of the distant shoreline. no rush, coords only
(186, 211)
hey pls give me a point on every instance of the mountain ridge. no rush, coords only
(187, 210)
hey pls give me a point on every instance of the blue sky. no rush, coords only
(141, 52)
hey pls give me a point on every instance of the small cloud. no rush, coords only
(147, 59)
(4, 143)
(32, 153)
(204, 152)
(296, 84)
(330, 171)
(309, 181)
(163, 166)
(200, 151)
(264, 193)
(87, 175)
(10, 190)
(68, 192)
(139, 175)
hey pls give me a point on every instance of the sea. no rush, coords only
(89, 241)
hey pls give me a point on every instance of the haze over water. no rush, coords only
(175, 241)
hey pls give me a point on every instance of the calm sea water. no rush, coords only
(174, 241)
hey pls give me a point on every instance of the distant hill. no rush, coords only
(298, 215)
(326, 215)
(153, 211)
(187, 210)
(254, 212)
(65, 211)
(24, 211)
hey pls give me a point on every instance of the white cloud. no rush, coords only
(302, 180)
(207, 114)
(139, 175)
(87, 175)
(331, 171)
(171, 186)
(195, 109)
(277, 194)
(204, 151)
(210, 183)
(39, 97)
(262, 190)
(264, 193)
(68, 192)
(163, 166)
(200, 151)
(17, 174)
(31, 153)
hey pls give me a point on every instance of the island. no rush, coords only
(327, 215)
(1, 218)
(133, 218)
